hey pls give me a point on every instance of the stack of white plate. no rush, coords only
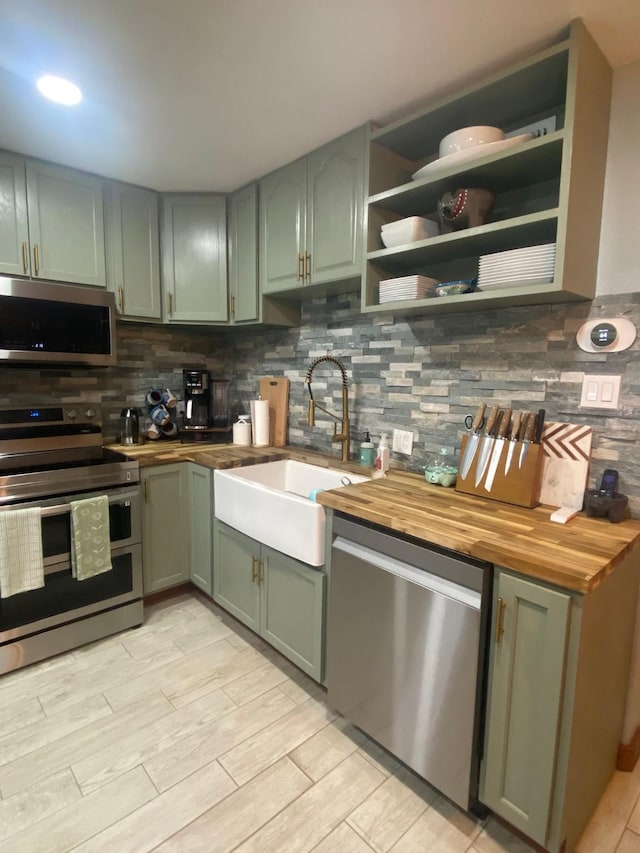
(407, 287)
(531, 264)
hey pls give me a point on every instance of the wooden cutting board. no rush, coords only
(275, 389)
(565, 464)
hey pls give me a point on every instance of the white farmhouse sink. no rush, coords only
(270, 503)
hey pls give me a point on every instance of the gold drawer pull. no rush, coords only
(300, 269)
(307, 265)
(500, 620)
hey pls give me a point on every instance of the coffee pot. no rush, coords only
(129, 426)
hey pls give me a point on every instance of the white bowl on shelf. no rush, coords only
(469, 137)
(408, 230)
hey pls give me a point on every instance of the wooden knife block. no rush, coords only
(521, 486)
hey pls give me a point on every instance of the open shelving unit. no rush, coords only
(548, 189)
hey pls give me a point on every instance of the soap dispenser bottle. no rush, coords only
(367, 451)
(382, 454)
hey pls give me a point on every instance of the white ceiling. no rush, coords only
(211, 94)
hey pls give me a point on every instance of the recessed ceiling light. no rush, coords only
(59, 90)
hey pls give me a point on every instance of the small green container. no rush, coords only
(440, 471)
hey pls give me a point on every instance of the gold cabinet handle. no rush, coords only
(254, 569)
(121, 298)
(500, 620)
(170, 304)
(260, 571)
(232, 307)
(25, 258)
(307, 265)
(300, 268)
(36, 258)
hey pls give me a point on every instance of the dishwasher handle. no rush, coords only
(443, 586)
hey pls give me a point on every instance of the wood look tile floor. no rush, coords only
(190, 734)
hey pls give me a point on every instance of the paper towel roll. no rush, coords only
(260, 422)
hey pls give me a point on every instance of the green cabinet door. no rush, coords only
(14, 229)
(292, 610)
(133, 258)
(526, 677)
(66, 224)
(200, 485)
(283, 214)
(243, 254)
(194, 259)
(165, 546)
(336, 188)
(235, 579)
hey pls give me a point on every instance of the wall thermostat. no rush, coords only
(606, 335)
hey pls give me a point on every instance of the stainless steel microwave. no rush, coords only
(48, 323)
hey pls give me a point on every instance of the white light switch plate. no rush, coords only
(402, 441)
(600, 392)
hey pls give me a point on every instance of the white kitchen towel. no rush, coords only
(21, 563)
(90, 540)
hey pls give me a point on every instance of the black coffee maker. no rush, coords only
(206, 401)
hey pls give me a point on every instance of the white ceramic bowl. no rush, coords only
(469, 137)
(408, 230)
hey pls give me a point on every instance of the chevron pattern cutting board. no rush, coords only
(565, 464)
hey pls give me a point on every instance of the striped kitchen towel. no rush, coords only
(90, 540)
(21, 563)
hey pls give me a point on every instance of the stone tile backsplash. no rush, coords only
(419, 373)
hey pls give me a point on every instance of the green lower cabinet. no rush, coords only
(525, 696)
(279, 598)
(234, 578)
(292, 609)
(165, 547)
(200, 488)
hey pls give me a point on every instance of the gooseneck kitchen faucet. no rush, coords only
(343, 435)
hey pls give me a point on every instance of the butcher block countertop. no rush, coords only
(576, 556)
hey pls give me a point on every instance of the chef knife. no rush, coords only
(527, 437)
(487, 442)
(498, 447)
(513, 438)
(472, 441)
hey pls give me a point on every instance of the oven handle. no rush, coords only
(59, 509)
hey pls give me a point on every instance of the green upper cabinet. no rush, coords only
(311, 218)
(133, 258)
(14, 227)
(66, 224)
(243, 255)
(194, 259)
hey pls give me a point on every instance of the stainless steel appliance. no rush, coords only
(51, 323)
(50, 456)
(129, 426)
(406, 651)
(206, 407)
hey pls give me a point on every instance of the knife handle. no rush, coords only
(539, 425)
(530, 428)
(477, 421)
(493, 414)
(504, 423)
(515, 425)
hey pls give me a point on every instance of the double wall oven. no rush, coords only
(50, 456)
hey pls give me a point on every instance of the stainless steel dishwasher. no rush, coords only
(406, 651)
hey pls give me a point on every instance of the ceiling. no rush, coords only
(211, 94)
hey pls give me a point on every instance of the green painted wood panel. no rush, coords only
(283, 226)
(194, 258)
(14, 228)
(525, 695)
(133, 269)
(200, 485)
(233, 586)
(66, 224)
(243, 254)
(165, 547)
(292, 610)
(336, 188)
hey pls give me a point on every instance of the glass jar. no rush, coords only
(440, 469)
